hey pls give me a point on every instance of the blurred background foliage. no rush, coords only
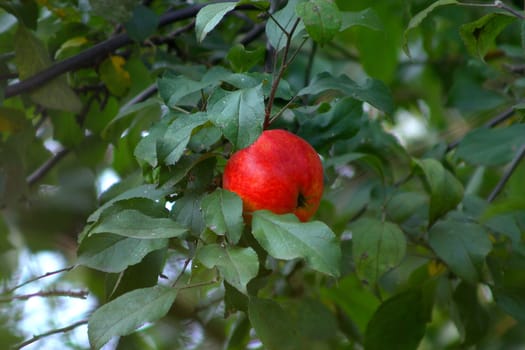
(435, 151)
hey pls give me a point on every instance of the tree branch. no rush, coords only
(500, 118)
(46, 294)
(503, 181)
(87, 57)
(46, 167)
(47, 334)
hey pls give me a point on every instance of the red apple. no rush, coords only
(279, 172)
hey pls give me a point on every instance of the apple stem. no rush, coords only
(284, 65)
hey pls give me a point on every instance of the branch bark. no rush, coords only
(88, 56)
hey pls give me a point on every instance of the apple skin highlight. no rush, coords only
(279, 172)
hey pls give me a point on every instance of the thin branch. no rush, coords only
(47, 274)
(177, 279)
(47, 334)
(253, 34)
(142, 96)
(280, 74)
(46, 167)
(503, 181)
(500, 118)
(198, 284)
(503, 6)
(46, 294)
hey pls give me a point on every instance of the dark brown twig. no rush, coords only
(39, 173)
(46, 294)
(508, 173)
(500, 118)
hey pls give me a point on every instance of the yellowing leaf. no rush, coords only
(113, 74)
(436, 267)
(11, 119)
(72, 43)
(31, 57)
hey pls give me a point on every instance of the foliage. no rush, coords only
(415, 235)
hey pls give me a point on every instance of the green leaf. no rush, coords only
(143, 191)
(446, 191)
(510, 301)
(491, 147)
(463, 246)
(418, 18)
(341, 122)
(209, 16)
(236, 265)
(114, 253)
(129, 114)
(284, 237)
(71, 47)
(479, 35)
(146, 149)
(222, 211)
(399, 323)
(173, 89)
(356, 300)
(315, 323)
(66, 129)
(322, 19)
(286, 17)
(25, 11)
(173, 144)
(135, 224)
(128, 312)
(142, 24)
(367, 18)
(31, 57)
(242, 60)
(116, 11)
(473, 316)
(378, 246)
(372, 91)
(272, 324)
(240, 115)
(260, 4)
(403, 205)
(234, 300)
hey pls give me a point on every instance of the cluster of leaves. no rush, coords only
(406, 241)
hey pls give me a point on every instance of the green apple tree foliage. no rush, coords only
(418, 243)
